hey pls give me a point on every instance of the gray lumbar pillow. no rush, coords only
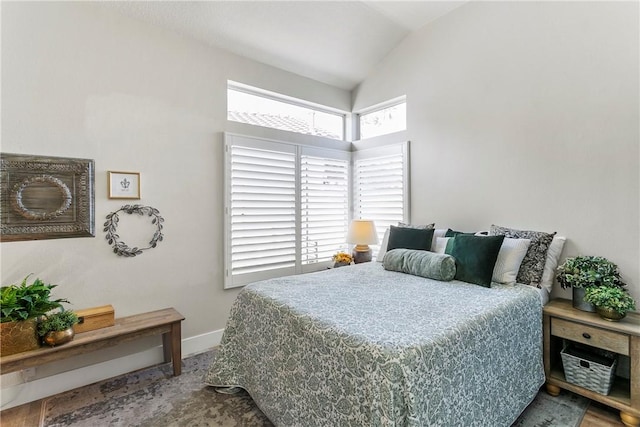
(421, 263)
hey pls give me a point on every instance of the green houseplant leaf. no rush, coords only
(57, 322)
(588, 271)
(614, 298)
(24, 301)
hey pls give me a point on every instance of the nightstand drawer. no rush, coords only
(596, 337)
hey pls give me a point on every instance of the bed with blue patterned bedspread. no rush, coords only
(362, 346)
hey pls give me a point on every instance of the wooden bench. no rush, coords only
(165, 322)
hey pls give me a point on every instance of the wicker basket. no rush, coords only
(589, 369)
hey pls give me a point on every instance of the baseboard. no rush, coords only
(16, 391)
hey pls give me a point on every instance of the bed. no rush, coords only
(361, 345)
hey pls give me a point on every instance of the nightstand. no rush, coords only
(562, 321)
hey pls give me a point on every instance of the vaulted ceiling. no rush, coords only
(335, 42)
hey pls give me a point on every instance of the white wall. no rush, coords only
(82, 81)
(525, 114)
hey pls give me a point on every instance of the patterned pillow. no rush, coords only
(532, 266)
(418, 226)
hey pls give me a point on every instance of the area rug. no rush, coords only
(153, 397)
(566, 409)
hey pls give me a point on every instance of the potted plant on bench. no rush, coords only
(21, 305)
(57, 328)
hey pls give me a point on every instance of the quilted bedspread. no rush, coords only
(362, 346)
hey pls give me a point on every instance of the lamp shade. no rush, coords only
(362, 232)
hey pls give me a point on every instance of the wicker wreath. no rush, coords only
(119, 247)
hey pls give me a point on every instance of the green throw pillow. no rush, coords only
(420, 263)
(454, 233)
(410, 238)
(475, 257)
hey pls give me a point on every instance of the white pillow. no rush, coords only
(440, 245)
(551, 262)
(438, 233)
(383, 245)
(510, 257)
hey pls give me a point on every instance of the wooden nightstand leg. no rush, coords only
(629, 420)
(553, 390)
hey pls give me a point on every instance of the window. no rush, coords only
(261, 108)
(324, 206)
(286, 209)
(383, 119)
(381, 185)
(262, 209)
(287, 204)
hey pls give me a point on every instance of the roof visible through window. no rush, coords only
(258, 110)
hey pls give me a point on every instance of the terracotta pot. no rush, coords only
(16, 337)
(609, 314)
(54, 338)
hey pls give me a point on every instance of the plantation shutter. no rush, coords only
(380, 186)
(287, 205)
(261, 215)
(324, 204)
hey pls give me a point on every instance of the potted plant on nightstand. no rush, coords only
(612, 301)
(583, 272)
(57, 328)
(21, 305)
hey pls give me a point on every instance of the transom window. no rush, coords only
(258, 107)
(383, 119)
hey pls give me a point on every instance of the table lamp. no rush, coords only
(362, 233)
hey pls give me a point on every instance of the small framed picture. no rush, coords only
(124, 185)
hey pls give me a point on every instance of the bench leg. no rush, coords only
(172, 347)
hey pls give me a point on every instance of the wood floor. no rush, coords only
(599, 415)
(28, 415)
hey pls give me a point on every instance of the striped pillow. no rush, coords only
(510, 257)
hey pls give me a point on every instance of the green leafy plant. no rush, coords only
(23, 301)
(588, 271)
(57, 322)
(614, 298)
